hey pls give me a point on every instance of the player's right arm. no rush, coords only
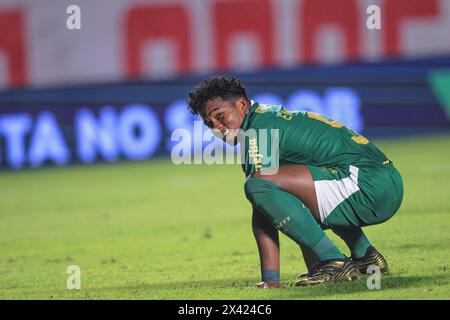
(267, 239)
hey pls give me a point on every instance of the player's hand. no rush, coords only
(269, 285)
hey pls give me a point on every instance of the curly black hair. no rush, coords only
(225, 87)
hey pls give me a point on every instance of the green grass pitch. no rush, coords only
(154, 230)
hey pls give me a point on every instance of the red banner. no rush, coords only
(123, 39)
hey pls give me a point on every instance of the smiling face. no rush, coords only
(225, 117)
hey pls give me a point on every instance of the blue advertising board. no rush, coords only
(134, 121)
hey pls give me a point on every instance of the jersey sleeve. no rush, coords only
(262, 152)
(262, 146)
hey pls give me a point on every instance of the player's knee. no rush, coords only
(258, 189)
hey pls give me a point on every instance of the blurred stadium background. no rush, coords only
(116, 89)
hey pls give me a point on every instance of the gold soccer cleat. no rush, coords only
(331, 271)
(372, 257)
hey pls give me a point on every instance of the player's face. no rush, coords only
(225, 117)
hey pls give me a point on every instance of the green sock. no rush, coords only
(355, 239)
(288, 214)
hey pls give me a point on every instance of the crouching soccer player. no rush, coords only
(327, 177)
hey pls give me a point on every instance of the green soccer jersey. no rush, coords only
(301, 137)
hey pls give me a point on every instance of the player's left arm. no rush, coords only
(267, 239)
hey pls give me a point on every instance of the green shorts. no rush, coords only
(357, 195)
